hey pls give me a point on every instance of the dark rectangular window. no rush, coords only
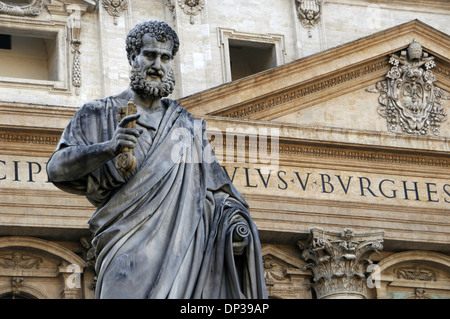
(5, 41)
(250, 57)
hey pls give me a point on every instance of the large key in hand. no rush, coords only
(126, 161)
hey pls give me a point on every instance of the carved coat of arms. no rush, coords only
(408, 97)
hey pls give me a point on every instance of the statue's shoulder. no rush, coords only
(97, 106)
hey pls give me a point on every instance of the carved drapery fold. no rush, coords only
(340, 261)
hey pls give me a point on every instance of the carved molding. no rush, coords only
(309, 12)
(408, 96)
(284, 148)
(15, 137)
(191, 7)
(278, 101)
(339, 261)
(32, 9)
(115, 8)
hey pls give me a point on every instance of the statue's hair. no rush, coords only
(160, 30)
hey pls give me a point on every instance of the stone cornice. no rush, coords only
(307, 94)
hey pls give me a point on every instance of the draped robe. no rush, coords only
(166, 230)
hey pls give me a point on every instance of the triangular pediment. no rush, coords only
(334, 88)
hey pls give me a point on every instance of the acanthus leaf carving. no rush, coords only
(339, 261)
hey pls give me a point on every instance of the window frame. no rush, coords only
(25, 27)
(226, 34)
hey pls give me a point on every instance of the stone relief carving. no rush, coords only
(415, 273)
(308, 12)
(115, 8)
(339, 260)
(19, 261)
(273, 269)
(74, 31)
(18, 9)
(170, 4)
(191, 7)
(408, 97)
(16, 285)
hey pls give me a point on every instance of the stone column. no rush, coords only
(340, 261)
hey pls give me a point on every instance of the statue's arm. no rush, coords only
(73, 162)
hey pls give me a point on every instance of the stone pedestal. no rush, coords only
(340, 261)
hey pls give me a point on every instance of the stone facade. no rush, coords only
(341, 149)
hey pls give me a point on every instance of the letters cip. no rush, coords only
(23, 171)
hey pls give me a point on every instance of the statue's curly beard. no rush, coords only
(142, 87)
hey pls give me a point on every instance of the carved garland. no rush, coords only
(32, 9)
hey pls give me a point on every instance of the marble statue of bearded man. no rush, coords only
(175, 226)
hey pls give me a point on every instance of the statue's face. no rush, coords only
(152, 72)
(155, 58)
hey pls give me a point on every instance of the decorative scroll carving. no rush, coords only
(74, 30)
(308, 12)
(408, 97)
(339, 261)
(191, 7)
(19, 261)
(32, 9)
(415, 273)
(115, 8)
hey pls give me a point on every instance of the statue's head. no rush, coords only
(151, 47)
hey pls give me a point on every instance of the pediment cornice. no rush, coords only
(336, 71)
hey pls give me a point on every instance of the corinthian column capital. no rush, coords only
(339, 261)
